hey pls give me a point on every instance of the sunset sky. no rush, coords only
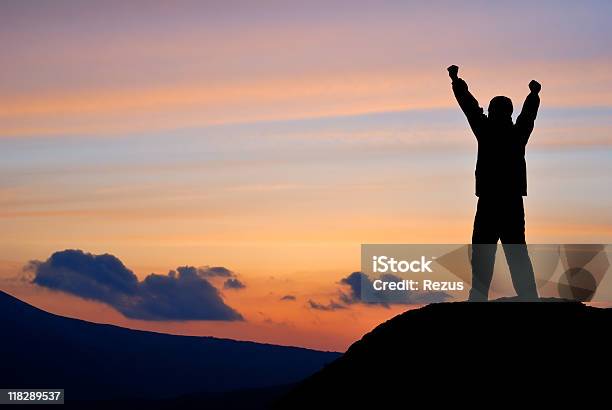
(273, 138)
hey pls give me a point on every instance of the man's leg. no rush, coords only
(484, 246)
(515, 248)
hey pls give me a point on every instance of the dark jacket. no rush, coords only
(500, 167)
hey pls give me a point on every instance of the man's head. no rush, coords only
(500, 108)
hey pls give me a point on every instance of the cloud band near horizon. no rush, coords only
(183, 294)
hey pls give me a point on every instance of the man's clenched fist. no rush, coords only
(535, 87)
(452, 71)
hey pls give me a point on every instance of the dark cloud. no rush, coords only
(356, 280)
(233, 283)
(353, 281)
(332, 305)
(288, 297)
(215, 271)
(351, 293)
(183, 294)
(393, 298)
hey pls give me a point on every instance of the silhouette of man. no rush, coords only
(501, 183)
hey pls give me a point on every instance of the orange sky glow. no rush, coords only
(275, 140)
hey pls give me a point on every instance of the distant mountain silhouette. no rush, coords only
(96, 361)
(466, 354)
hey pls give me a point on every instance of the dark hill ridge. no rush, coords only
(88, 360)
(463, 353)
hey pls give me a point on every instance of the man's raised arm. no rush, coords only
(526, 118)
(467, 102)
